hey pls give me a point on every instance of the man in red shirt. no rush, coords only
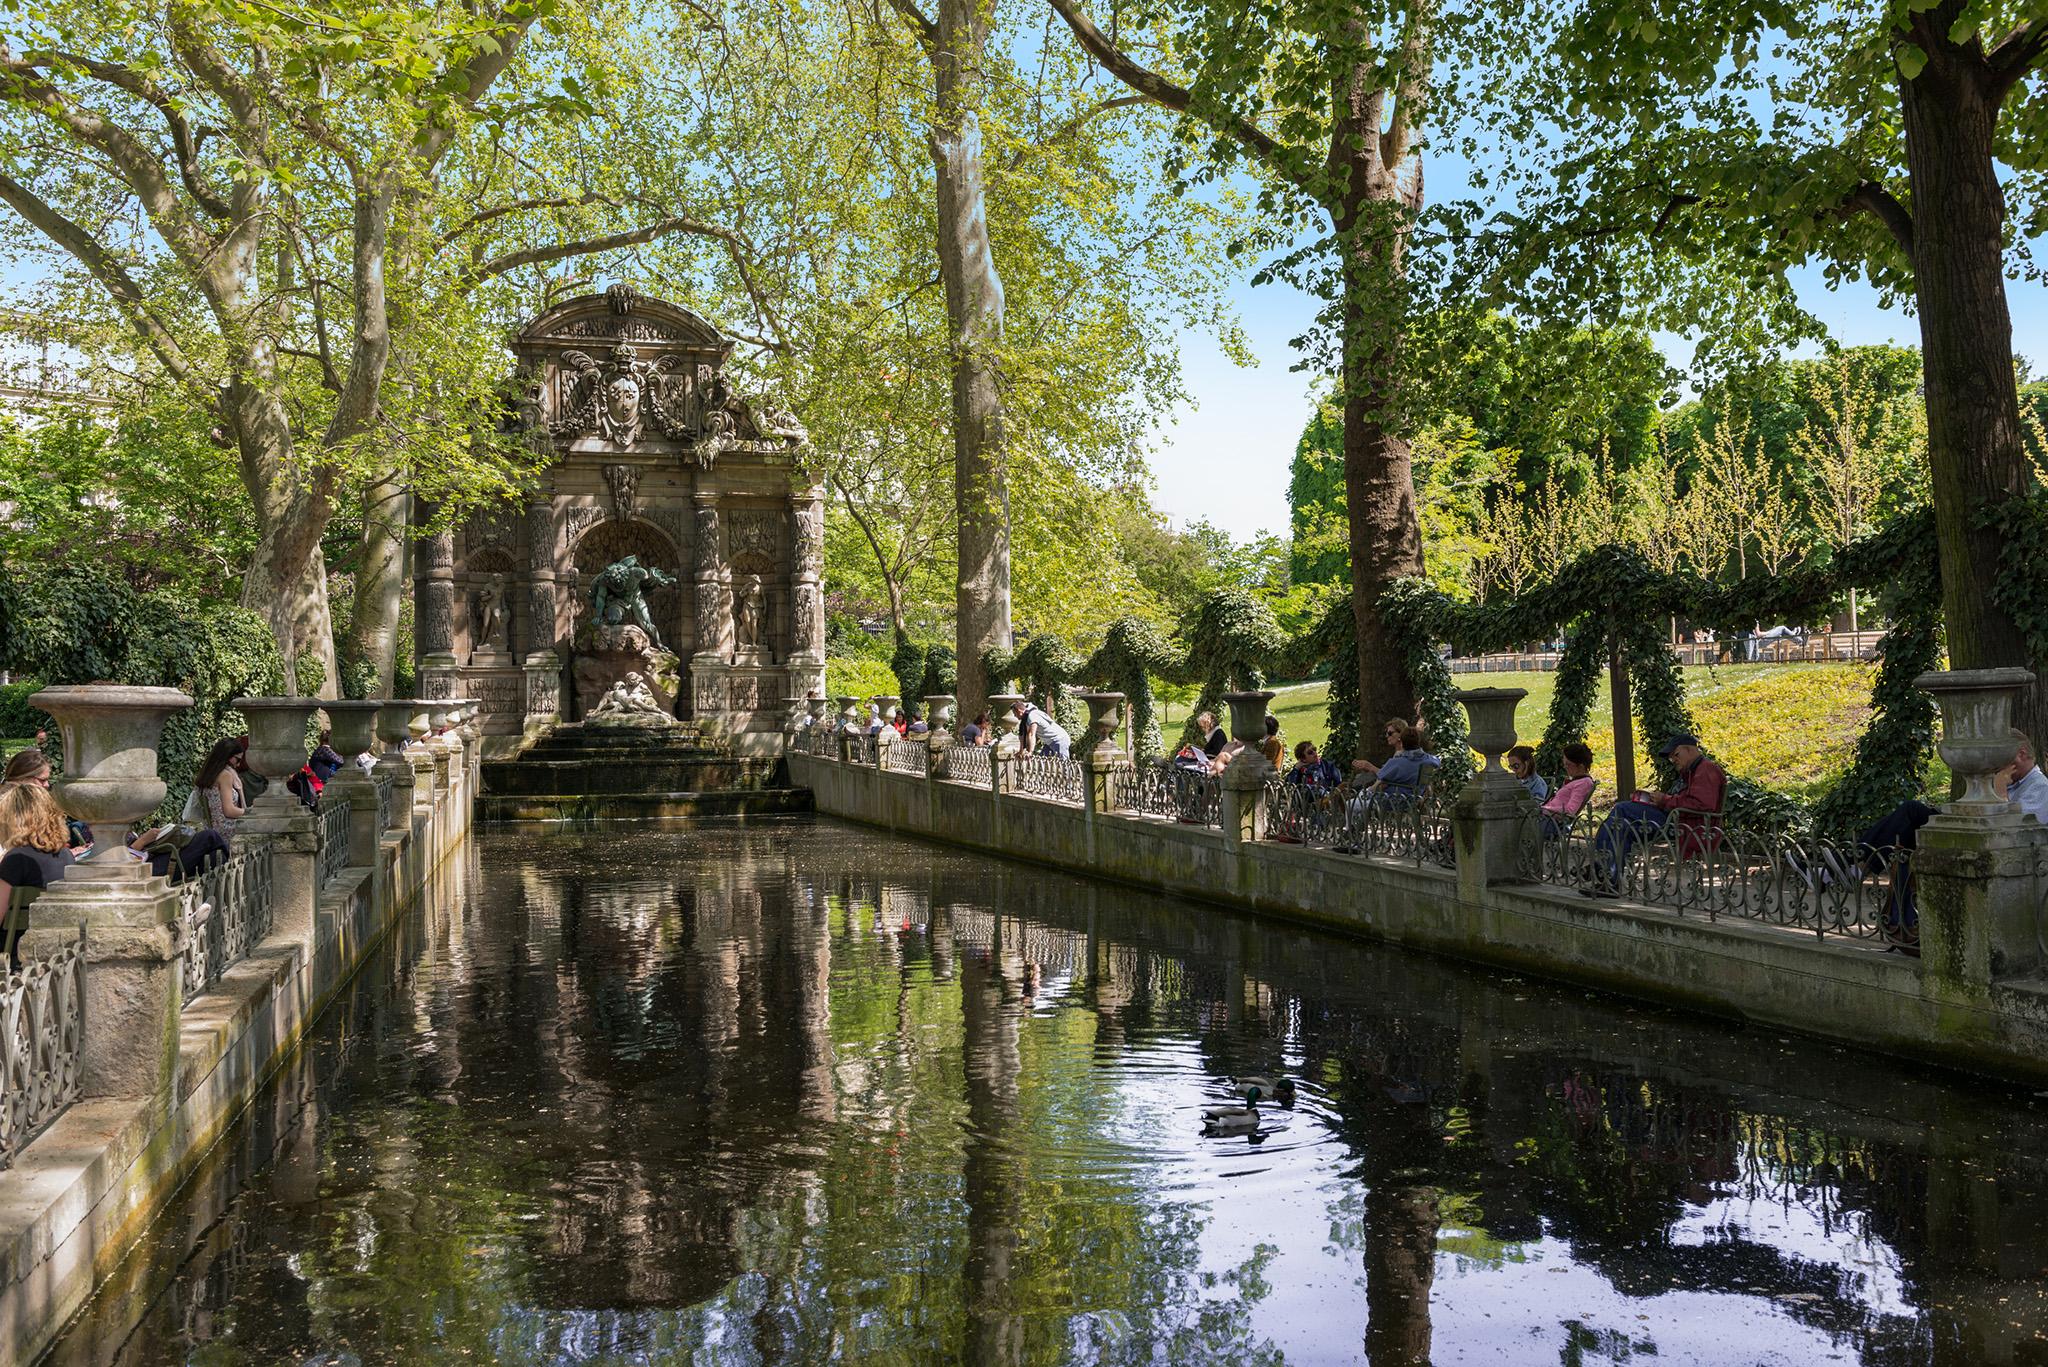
(1692, 801)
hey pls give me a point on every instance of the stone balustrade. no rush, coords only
(1793, 931)
(150, 1008)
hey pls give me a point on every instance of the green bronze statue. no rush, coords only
(618, 596)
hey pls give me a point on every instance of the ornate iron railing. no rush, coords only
(1161, 789)
(1800, 882)
(908, 755)
(1062, 780)
(970, 764)
(224, 912)
(330, 825)
(1411, 827)
(860, 749)
(42, 1038)
(820, 740)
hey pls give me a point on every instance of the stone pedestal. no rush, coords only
(1244, 779)
(392, 765)
(1100, 756)
(1493, 810)
(133, 993)
(290, 832)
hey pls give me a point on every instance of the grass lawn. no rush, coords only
(1791, 727)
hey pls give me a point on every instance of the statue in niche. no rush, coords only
(492, 616)
(747, 613)
(618, 596)
(624, 483)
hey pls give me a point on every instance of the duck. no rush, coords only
(1230, 1120)
(1257, 1089)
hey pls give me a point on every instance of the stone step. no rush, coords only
(594, 808)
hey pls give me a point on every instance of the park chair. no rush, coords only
(16, 924)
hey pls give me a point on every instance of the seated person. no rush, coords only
(193, 849)
(1392, 733)
(1564, 805)
(326, 760)
(1402, 776)
(1272, 747)
(32, 766)
(1522, 764)
(2021, 782)
(37, 840)
(1209, 737)
(976, 732)
(1311, 770)
(1692, 800)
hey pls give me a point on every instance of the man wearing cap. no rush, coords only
(1693, 800)
(1039, 734)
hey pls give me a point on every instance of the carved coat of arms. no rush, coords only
(619, 397)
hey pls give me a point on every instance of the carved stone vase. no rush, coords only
(1105, 710)
(277, 743)
(1491, 726)
(1004, 719)
(849, 709)
(1976, 730)
(110, 736)
(393, 716)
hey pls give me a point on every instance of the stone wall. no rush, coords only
(79, 1197)
(1844, 989)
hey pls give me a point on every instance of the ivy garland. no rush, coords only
(1614, 585)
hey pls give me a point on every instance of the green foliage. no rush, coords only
(907, 664)
(18, 720)
(76, 624)
(1571, 702)
(862, 678)
(941, 670)
(1656, 688)
(2020, 587)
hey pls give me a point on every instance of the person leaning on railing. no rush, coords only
(1692, 803)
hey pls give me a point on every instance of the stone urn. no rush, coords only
(1491, 714)
(1248, 715)
(1105, 710)
(394, 716)
(1004, 719)
(849, 711)
(352, 730)
(277, 743)
(420, 723)
(888, 702)
(110, 736)
(1976, 730)
(820, 710)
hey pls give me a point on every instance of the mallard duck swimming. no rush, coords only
(1257, 1089)
(1230, 1119)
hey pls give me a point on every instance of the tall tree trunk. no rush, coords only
(287, 579)
(1372, 219)
(380, 582)
(974, 317)
(1973, 416)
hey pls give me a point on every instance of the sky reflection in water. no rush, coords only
(801, 1092)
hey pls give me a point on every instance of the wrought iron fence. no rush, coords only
(42, 1037)
(860, 749)
(970, 764)
(1062, 780)
(330, 826)
(224, 912)
(1801, 882)
(1412, 827)
(820, 740)
(908, 756)
(1162, 789)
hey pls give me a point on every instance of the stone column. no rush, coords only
(434, 629)
(1244, 779)
(421, 757)
(133, 992)
(353, 727)
(714, 619)
(392, 719)
(541, 663)
(1100, 755)
(1494, 810)
(277, 750)
(806, 590)
(1978, 871)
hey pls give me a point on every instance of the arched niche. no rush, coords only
(487, 572)
(612, 541)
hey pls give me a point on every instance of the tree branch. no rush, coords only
(113, 277)
(1872, 198)
(927, 31)
(477, 220)
(1179, 99)
(1074, 125)
(149, 92)
(2014, 55)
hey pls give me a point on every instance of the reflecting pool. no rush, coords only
(801, 1092)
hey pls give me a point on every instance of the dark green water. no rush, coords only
(801, 1092)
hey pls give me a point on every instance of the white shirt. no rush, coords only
(2030, 794)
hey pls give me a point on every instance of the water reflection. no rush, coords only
(800, 1092)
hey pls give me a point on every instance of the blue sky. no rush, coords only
(1224, 458)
